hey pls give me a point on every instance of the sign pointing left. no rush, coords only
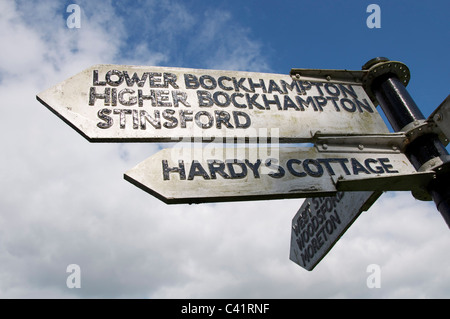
(113, 103)
(215, 174)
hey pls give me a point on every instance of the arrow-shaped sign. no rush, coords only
(320, 222)
(195, 175)
(116, 103)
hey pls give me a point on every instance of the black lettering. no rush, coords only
(314, 173)
(349, 89)
(155, 80)
(252, 101)
(376, 170)
(320, 217)
(162, 96)
(154, 121)
(208, 82)
(253, 85)
(235, 103)
(308, 101)
(238, 123)
(335, 219)
(315, 201)
(363, 105)
(216, 96)
(135, 119)
(103, 115)
(197, 170)
(122, 116)
(358, 167)
(113, 97)
(320, 240)
(301, 245)
(191, 81)
(292, 170)
(222, 117)
(334, 91)
(93, 96)
(315, 244)
(318, 85)
(387, 167)
(168, 115)
(286, 86)
(142, 97)
(321, 232)
(179, 96)
(329, 204)
(304, 85)
(275, 101)
(180, 170)
(273, 86)
(345, 102)
(95, 79)
(326, 162)
(204, 99)
(238, 85)
(320, 102)
(230, 164)
(170, 78)
(323, 207)
(111, 73)
(329, 226)
(135, 79)
(132, 100)
(333, 99)
(342, 161)
(221, 85)
(289, 103)
(305, 258)
(185, 115)
(280, 172)
(216, 166)
(254, 167)
(208, 124)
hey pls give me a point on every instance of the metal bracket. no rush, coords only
(441, 121)
(437, 123)
(386, 67)
(422, 127)
(390, 143)
(349, 143)
(333, 76)
(363, 77)
(437, 164)
(402, 182)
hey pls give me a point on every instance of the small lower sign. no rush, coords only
(321, 221)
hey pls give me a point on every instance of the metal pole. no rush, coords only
(386, 81)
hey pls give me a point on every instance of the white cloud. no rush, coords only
(227, 45)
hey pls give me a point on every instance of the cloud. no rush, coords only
(226, 45)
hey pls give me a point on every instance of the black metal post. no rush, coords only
(401, 110)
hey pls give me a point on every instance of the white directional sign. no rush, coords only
(112, 103)
(320, 222)
(195, 175)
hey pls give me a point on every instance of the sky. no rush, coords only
(63, 200)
